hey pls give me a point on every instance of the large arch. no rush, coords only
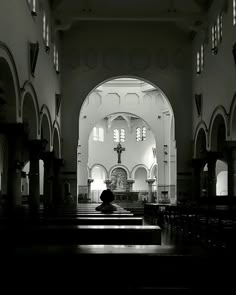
(218, 129)
(9, 86)
(161, 111)
(46, 126)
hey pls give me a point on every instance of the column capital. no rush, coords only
(107, 181)
(214, 155)
(150, 180)
(130, 181)
(90, 180)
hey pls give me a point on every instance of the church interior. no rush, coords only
(135, 99)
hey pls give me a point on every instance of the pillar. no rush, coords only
(150, 182)
(90, 180)
(35, 149)
(58, 183)
(48, 158)
(130, 183)
(231, 160)
(211, 178)
(16, 140)
(198, 165)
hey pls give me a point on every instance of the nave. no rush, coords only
(78, 248)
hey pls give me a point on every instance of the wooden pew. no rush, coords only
(81, 234)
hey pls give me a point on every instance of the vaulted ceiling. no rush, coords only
(187, 14)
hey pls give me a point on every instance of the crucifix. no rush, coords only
(119, 150)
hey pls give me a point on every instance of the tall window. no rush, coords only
(141, 133)
(55, 58)
(44, 27)
(202, 57)
(234, 12)
(214, 39)
(47, 35)
(119, 135)
(98, 134)
(219, 28)
(198, 63)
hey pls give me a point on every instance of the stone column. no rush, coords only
(108, 183)
(150, 182)
(211, 178)
(198, 165)
(58, 182)
(231, 160)
(130, 183)
(35, 149)
(90, 180)
(48, 158)
(16, 140)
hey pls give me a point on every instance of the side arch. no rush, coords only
(201, 130)
(44, 113)
(56, 139)
(218, 123)
(135, 168)
(29, 91)
(97, 165)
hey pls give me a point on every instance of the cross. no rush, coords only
(119, 150)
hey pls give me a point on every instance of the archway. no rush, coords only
(29, 116)
(125, 101)
(218, 133)
(8, 92)
(46, 129)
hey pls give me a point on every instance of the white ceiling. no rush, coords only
(187, 14)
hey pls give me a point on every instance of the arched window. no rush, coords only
(122, 135)
(98, 134)
(140, 133)
(119, 135)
